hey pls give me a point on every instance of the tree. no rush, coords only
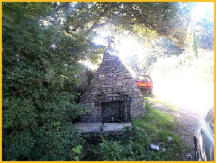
(39, 76)
(42, 43)
(168, 19)
(195, 44)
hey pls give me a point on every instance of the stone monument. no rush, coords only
(112, 95)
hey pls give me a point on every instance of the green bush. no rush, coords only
(39, 101)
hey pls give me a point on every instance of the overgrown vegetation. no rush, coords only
(39, 81)
(153, 128)
(42, 43)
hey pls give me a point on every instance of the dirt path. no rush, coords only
(186, 124)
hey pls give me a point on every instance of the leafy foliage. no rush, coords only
(168, 19)
(39, 104)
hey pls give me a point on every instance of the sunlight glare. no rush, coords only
(185, 88)
(128, 47)
(203, 10)
(88, 64)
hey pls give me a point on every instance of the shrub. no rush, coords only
(39, 103)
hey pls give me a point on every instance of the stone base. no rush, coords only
(100, 127)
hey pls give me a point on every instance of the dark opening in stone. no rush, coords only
(111, 111)
(115, 109)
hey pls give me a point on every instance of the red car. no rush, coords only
(144, 83)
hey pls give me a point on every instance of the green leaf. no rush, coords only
(77, 149)
(76, 158)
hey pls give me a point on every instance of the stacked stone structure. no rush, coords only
(112, 95)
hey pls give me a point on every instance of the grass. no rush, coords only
(155, 127)
(159, 126)
(156, 123)
(156, 100)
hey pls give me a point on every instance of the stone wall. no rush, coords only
(112, 79)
